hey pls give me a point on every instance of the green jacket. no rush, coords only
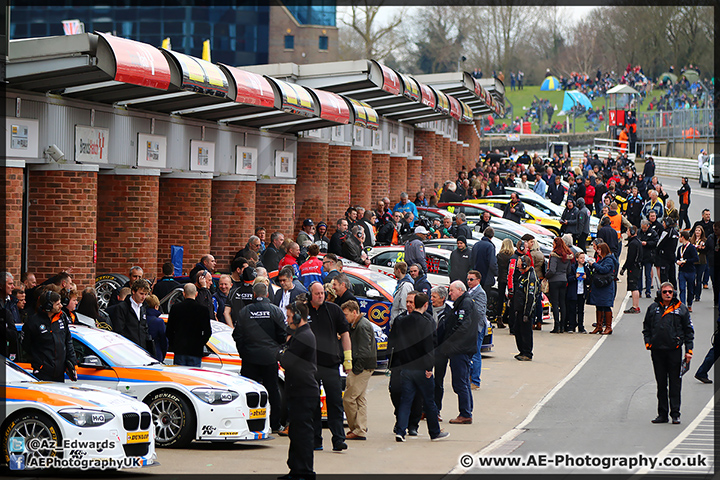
(364, 348)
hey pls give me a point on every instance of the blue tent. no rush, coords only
(573, 98)
(550, 83)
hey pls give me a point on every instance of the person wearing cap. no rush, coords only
(702, 158)
(307, 234)
(320, 239)
(415, 248)
(460, 261)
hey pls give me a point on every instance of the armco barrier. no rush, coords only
(673, 167)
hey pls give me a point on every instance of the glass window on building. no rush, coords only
(289, 42)
(323, 42)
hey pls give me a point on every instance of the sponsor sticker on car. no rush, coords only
(258, 412)
(138, 437)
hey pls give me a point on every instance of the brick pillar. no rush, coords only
(338, 181)
(414, 173)
(399, 178)
(361, 162)
(311, 189)
(426, 147)
(276, 210)
(461, 156)
(443, 149)
(468, 133)
(184, 217)
(452, 159)
(127, 221)
(382, 177)
(11, 241)
(233, 217)
(62, 221)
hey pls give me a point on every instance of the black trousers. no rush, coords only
(330, 379)
(300, 451)
(557, 294)
(667, 274)
(576, 313)
(523, 333)
(684, 217)
(441, 364)
(666, 365)
(268, 376)
(581, 241)
(395, 387)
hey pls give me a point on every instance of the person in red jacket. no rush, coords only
(312, 269)
(293, 252)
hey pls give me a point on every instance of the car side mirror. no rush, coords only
(372, 293)
(91, 361)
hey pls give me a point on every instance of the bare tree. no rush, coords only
(367, 36)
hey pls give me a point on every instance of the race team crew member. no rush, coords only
(47, 339)
(523, 307)
(299, 360)
(259, 333)
(327, 321)
(666, 328)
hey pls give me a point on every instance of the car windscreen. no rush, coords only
(118, 350)
(223, 342)
(15, 374)
(386, 283)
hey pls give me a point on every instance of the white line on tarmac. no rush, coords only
(520, 428)
(684, 434)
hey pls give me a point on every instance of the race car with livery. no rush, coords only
(79, 424)
(186, 403)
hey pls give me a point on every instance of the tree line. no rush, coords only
(499, 36)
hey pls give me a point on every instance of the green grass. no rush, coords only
(523, 98)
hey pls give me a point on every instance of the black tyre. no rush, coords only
(176, 296)
(32, 427)
(105, 285)
(174, 419)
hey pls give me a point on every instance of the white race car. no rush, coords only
(186, 403)
(81, 425)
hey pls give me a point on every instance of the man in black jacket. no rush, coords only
(299, 359)
(343, 289)
(556, 192)
(47, 339)
(328, 322)
(460, 260)
(288, 290)
(259, 333)
(188, 329)
(648, 239)
(273, 253)
(666, 328)
(525, 294)
(514, 209)
(352, 247)
(667, 245)
(414, 352)
(167, 283)
(459, 345)
(337, 239)
(129, 317)
(633, 266)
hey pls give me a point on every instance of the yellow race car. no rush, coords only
(532, 214)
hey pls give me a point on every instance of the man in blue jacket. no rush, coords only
(484, 259)
(406, 206)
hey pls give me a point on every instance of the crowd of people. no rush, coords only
(309, 315)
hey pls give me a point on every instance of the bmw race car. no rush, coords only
(186, 403)
(86, 425)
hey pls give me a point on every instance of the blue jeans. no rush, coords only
(414, 381)
(686, 281)
(706, 275)
(188, 360)
(710, 358)
(648, 268)
(477, 358)
(460, 371)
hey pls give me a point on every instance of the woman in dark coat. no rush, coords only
(503, 260)
(558, 266)
(603, 295)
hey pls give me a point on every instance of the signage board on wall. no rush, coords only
(152, 151)
(91, 144)
(202, 156)
(21, 137)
